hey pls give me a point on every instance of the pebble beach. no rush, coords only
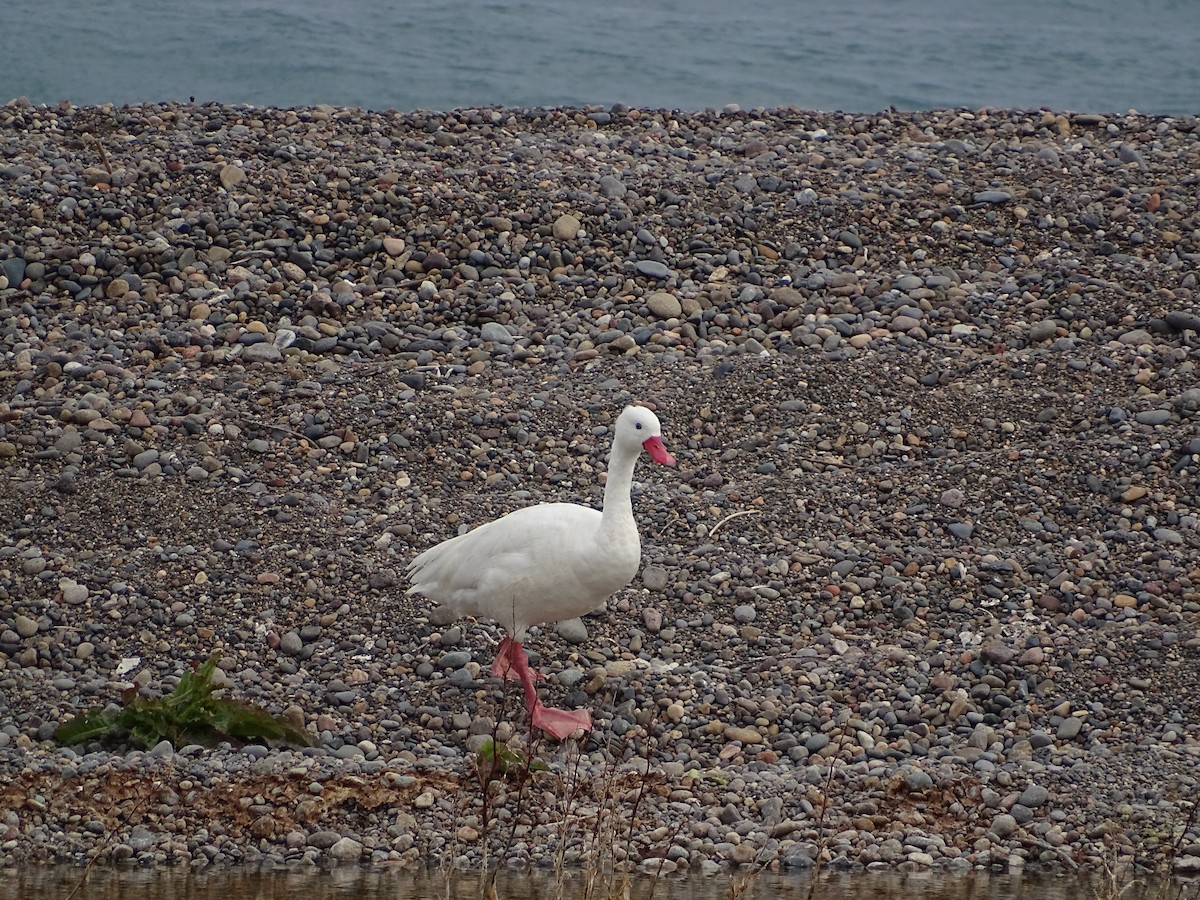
(923, 591)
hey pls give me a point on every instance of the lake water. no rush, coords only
(862, 56)
(351, 883)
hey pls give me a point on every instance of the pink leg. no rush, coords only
(558, 723)
(505, 665)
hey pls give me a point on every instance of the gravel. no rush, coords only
(922, 591)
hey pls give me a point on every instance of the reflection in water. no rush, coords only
(31, 883)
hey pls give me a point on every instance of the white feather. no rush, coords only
(548, 562)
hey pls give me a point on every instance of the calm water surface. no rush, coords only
(121, 884)
(866, 55)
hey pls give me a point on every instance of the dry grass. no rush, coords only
(521, 782)
(1127, 876)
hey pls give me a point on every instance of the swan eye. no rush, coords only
(637, 425)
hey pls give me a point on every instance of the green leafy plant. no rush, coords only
(188, 715)
(497, 761)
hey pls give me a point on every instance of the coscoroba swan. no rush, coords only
(545, 563)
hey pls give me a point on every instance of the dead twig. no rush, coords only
(825, 462)
(280, 428)
(734, 515)
(103, 155)
(112, 835)
(1063, 853)
(822, 835)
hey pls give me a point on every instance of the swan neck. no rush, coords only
(618, 506)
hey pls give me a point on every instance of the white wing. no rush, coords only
(537, 564)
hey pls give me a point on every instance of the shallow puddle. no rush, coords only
(36, 883)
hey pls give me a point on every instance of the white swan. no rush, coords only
(545, 563)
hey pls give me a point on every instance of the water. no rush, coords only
(854, 55)
(357, 884)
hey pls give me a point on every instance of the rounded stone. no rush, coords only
(25, 626)
(231, 176)
(745, 614)
(497, 333)
(1069, 729)
(664, 305)
(652, 268)
(743, 735)
(116, 289)
(1034, 796)
(918, 781)
(1153, 417)
(611, 187)
(573, 631)
(654, 578)
(73, 592)
(291, 643)
(566, 227)
(1004, 825)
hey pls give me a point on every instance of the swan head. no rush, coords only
(639, 429)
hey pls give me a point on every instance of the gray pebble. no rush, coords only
(346, 850)
(1154, 417)
(143, 459)
(261, 353)
(494, 331)
(14, 269)
(1168, 536)
(1022, 814)
(73, 593)
(25, 626)
(1043, 330)
(652, 269)
(918, 781)
(573, 631)
(323, 839)
(1034, 796)
(816, 742)
(654, 578)
(664, 305)
(611, 186)
(291, 643)
(1182, 320)
(1069, 728)
(1003, 825)
(454, 659)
